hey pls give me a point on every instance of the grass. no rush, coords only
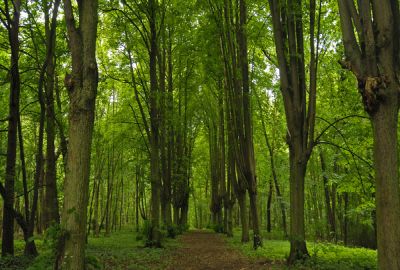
(122, 250)
(324, 256)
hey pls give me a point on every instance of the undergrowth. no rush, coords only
(120, 250)
(323, 256)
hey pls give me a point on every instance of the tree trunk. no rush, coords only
(248, 147)
(243, 217)
(96, 228)
(300, 113)
(7, 247)
(154, 239)
(371, 41)
(346, 219)
(384, 124)
(269, 201)
(51, 210)
(330, 214)
(82, 89)
(298, 249)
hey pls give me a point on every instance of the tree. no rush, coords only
(12, 24)
(51, 210)
(287, 20)
(82, 89)
(371, 44)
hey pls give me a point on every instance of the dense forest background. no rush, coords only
(199, 114)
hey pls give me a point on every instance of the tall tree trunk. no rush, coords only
(371, 41)
(330, 214)
(154, 239)
(221, 161)
(384, 124)
(300, 113)
(7, 247)
(82, 90)
(298, 249)
(279, 195)
(346, 219)
(269, 201)
(248, 147)
(215, 176)
(137, 198)
(243, 216)
(51, 210)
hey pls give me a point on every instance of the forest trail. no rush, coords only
(203, 250)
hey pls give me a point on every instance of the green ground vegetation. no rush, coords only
(121, 250)
(324, 255)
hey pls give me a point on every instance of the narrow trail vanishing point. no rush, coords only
(208, 251)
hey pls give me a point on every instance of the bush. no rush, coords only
(53, 240)
(147, 233)
(183, 228)
(92, 262)
(14, 263)
(218, 228)
(172, 231)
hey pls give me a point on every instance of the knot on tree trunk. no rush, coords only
(370, 89)
(69, 83)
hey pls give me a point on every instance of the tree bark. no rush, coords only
(82, 90)
(243, 217)
(330, 214)
(300, 114)
(51, 210)
(269, 201)
(248, 147)
(155, 237)
(375, 64)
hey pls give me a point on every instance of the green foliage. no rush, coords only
(14, 263)
(122, 251)
(45, 261)
(326, 256)
(92, 262)
(147, 233)
(172, 231)
(46, 258)
(323, 256)
(218, 228)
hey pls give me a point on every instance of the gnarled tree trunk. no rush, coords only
(375, 64)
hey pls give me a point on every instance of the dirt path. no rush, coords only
(208, 251)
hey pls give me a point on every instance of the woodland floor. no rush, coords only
(197, 250)
(202, 250)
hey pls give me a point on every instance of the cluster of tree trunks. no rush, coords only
(288, 28)
(165, 129)
(231, 20)
(15, 135)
